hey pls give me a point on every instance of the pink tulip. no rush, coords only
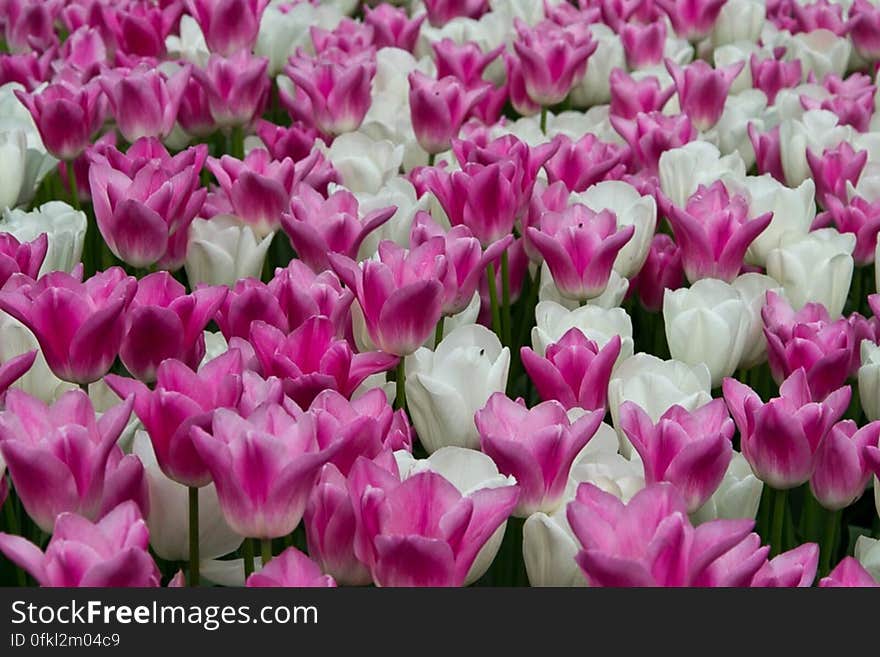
(537, 446)
(112, 552)
(585, 162)
(364, 427)
(30, 69)
(194, 114)
(144, 101)
(779, 438)
(18, 258)
(12, 370)
(441, 12)
(774, 74)
(291, 569)
(553, 58)
(691, 450)
(692, 19)
(516, 87)
(422, 531)
(643, 44)
(852, 100)
(842, 470)
(573, 371)
(140, 29)
(79, 325)
(650, 134)
(439, 107)
(264, 468)
(565, 13)
(662, 271)
(819, 15)
(400, 295)
(465, 257)
(651, 542)
(833, 169)
(338, 89)
(229, 26)
(849, 573)
(349, 36)
(714, 231)
(580, 246)
(62, 459)
(237, 88)
(795, 568)
(330, 529)
(296, 142)
(864, 29)
(465, 61)
(66, 116)
(183, 399)
(30, 24)
(319, 226)
(808, 339)
(164, 321)
(857, 216)
(736, 567)
(631, 97)
(768, 154)
(311, 359)
(545, 198)
(703, 90)
(144, 202)
(392, 28)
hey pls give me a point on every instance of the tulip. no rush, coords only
(691, 450)
(62, 459)
(817, 268)
(183, 399)
(293, 569)
(682, 170)
(869, 379)
(29, 25)
(816, 130)
(439, 107)
(12, 370)
(573, 371)
(91, 314)
(144, 214)
(263, 467)
(300, 294)
(445, 387)
(109, 553)
(399, 295)
(318, 226)
(165, 322)
(392, 28)
(692, 20)
(714, 232)
(661, 271)
(752, 289)
(842, 469)
(536, 446)
(229, 26)
(584, 163)
(516, 87)
(311, 359)
(780, 438)
(414, 548)
(143, 101)
(18, 258)
(441, 12)
(833, 170)
(597, 323)
(858, 217)
(631, 97)
(364, 164)
(66, 117)
(849, 573)
(864, 27)
(702, 90)
(795, 568)
(223, 250)
(237, 88)
(13, 160)
(552, 59)
(768, 151)
(650, 134)
(707, 323)
(737, 496)
(643, 44)
(773, 74)
(465, 61)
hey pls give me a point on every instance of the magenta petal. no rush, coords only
(414, 561)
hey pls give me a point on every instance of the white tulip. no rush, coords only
(869, 379)
(168, 519)
(794, 210)
(739, 20)
(364, 164)
(400, 193)
(223, 250)
(13, 165)
(469, 471)
(611, 297)
(683, 169)
(597, 323)
(39, 381)
(656, 385)
(815, 267)
(868, 185)
(15, 116)
(867, 550)
(65, 229)
(820, 52)
(281, 33)
(753, 290)
(733, 53)
(444, 388)
(707, 323)
(190, 44)
(815, 130)
(575, 124)
(738, 495)
(631, 209)
(595, 87)
(731, 134)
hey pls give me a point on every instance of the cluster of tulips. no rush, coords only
(439, 293)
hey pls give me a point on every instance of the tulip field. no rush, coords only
(319, 293)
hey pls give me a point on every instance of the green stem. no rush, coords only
(432, 157)
(193, 536)
(505, 298)
(438, 332)
(780, 498)
(247, 552)
(236, 146)
(71, 182)
(543, 120)
(829, 542)
(400, 397)
(12, 527)
(493, 300)
(266, 550)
